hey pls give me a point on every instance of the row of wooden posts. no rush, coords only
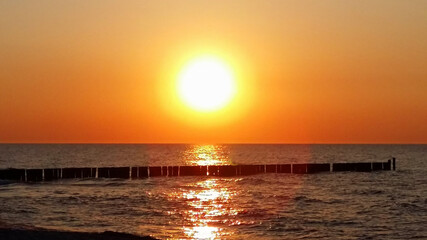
(49, 174)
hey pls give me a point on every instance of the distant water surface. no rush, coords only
(377, 205)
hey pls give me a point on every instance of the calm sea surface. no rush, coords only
(377, 205)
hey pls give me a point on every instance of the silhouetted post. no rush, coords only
(388, 165)
(394, 164)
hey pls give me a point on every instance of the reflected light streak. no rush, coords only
(208, 204)
(208, 200)
(207, 155)
(201, 232)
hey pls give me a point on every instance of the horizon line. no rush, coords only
(227, 143)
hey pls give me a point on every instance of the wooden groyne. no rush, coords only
(49, 174)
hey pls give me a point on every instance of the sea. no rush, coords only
(331, 205)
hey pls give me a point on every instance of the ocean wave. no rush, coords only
(307, 199)
(368, 192)
(413, 207)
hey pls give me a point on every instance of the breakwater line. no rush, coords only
(139, 172)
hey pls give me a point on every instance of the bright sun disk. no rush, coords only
(206, 84)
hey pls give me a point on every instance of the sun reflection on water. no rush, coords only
(201, 232)
(207, 155)
(209, 210)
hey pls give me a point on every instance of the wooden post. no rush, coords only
(394, 164)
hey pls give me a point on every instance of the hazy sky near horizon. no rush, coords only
(307, 71)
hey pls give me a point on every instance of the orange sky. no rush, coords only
(307, 71)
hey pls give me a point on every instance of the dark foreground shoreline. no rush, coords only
(43, 234)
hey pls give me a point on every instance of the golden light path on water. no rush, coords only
(205, 155)
(208, 200)
(207, 205)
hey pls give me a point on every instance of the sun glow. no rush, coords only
(206, 84)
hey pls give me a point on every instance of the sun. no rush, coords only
(206, 84)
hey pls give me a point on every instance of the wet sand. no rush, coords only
(31, 233)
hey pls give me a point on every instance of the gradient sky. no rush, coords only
(307, 71)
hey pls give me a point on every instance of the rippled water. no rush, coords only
(377, 205)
